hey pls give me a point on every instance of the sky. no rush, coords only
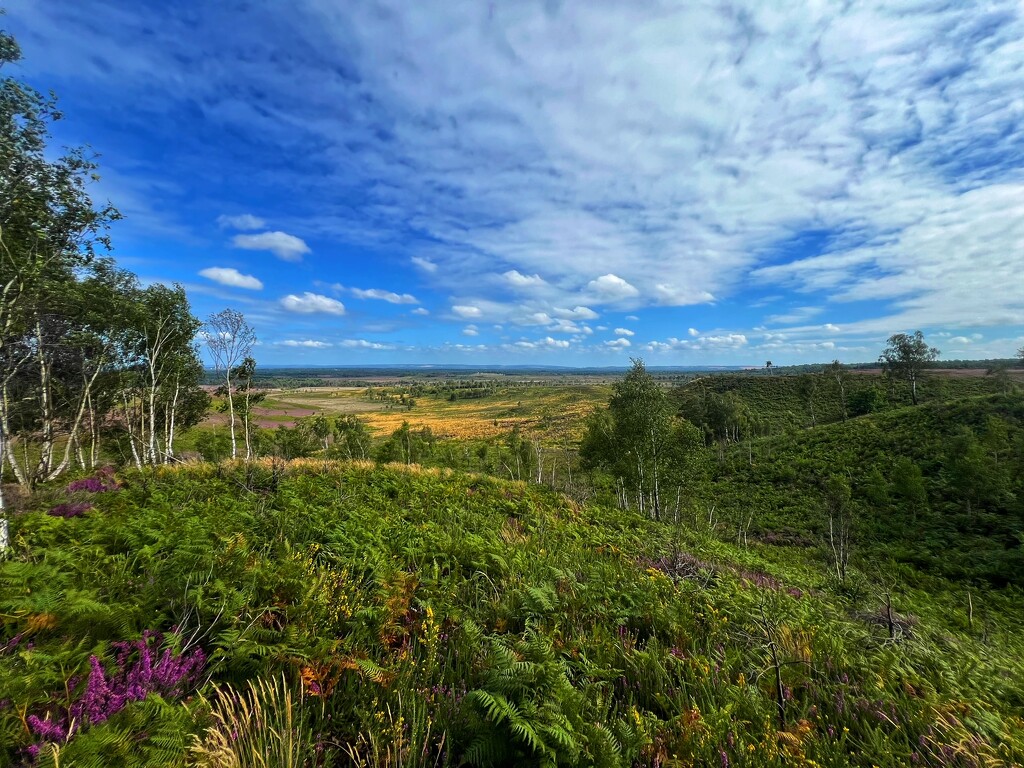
(559, 182)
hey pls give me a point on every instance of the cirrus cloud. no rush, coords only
(244, 221)
(389, 296)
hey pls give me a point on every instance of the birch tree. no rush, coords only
(49, 232)
(641, 443)
(905, 357)
(165, 329)
(230, 340)
(840, 374)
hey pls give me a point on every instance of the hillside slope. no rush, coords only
(781, 404)
(940, 485)
(431, 618)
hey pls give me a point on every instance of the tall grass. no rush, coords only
(265, 725)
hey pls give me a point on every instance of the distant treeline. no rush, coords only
(789, 370)
(419, 381)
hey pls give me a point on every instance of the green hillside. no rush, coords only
(785, 403)
(940, 486)
(397, 617)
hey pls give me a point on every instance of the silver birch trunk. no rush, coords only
(5, 531)
(76, 425)
(131, 434)
(245, 424)
(45, 407)
(171, 418)
(152, 412)
(231, 417)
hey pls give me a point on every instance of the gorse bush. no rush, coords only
(353, 614)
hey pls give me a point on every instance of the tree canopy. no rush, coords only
(905, 357)
(641, 443)
(86, 353)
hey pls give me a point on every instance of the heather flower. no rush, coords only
(11, 644)
(139, 670)
(70, 509)
(102, 481)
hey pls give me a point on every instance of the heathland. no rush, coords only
(236, 567)
(806, 590)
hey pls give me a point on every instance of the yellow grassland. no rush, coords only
(554, 413)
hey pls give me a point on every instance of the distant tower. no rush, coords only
(768, 367)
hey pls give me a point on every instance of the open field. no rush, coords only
(549, 406)
(552, 412)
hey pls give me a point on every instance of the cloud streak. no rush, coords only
(389, 296)
(243, 221)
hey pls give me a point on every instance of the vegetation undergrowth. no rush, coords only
(939, 486)
(397, 616)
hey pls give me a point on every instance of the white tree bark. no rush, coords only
(5, 531)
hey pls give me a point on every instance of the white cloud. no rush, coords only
(715, 342)
(943, 265)
(794, 316)
(423, 263)
(423, 311)
(612, 288)
(567, 326)
(231, 277)
(891, 128)
(244, 222)
(693, 332)
(551, 343)
(576, 313)
(726, 340)
(618, 343)
(308, 343)
(519, 280)
(382, 295)
(286, 247)
(363, 344)
(470, 330)
(312, 303)
(547, 343)
(678, 295)
(624, 332)
(466, 310)
(634, 318)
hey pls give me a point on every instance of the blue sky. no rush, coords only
(558, 182)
